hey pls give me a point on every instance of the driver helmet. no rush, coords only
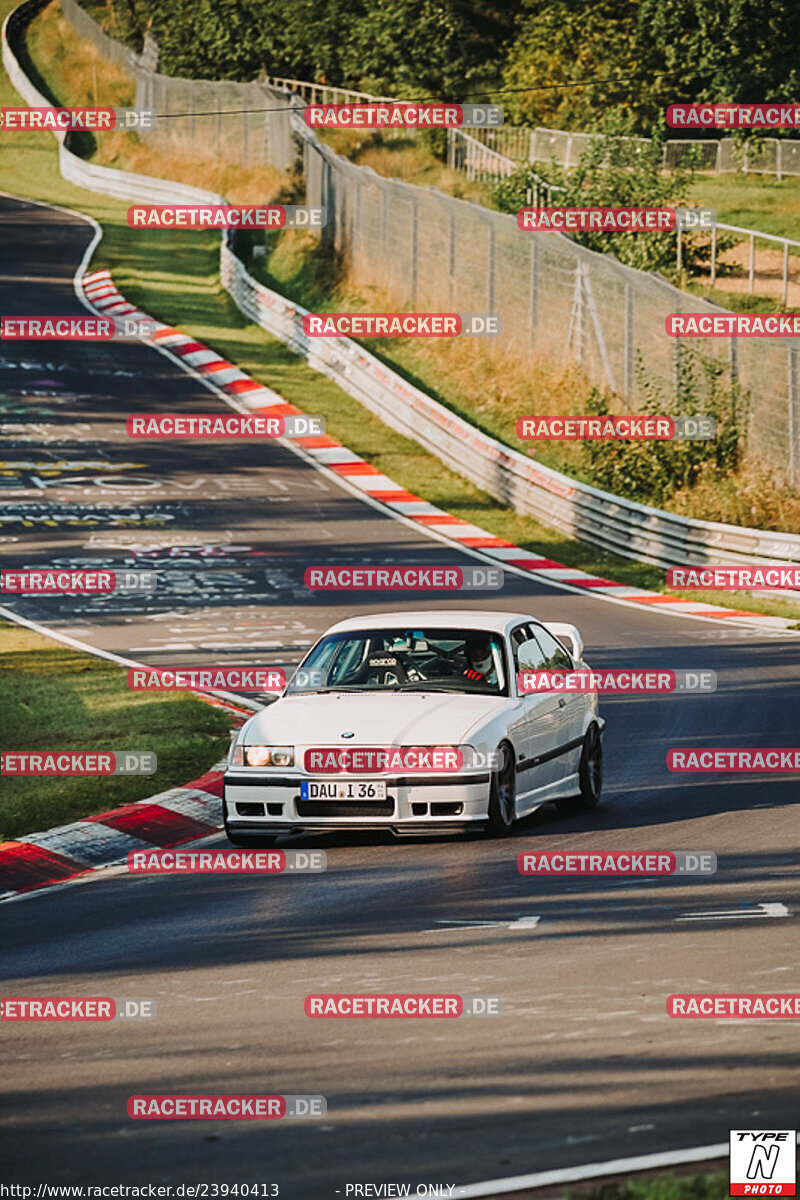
(479, 652)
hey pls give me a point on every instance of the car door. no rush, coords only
(544, 721)
(556, 658)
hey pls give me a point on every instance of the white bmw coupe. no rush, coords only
(414, 722)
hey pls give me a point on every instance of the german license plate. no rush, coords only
(342, 789)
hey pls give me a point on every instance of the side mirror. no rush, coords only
(529, 656)
(569, 636)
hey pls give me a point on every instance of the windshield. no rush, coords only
(389, 660)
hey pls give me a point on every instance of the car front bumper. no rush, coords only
(257, 803)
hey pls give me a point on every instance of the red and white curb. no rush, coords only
(247, 395)
(169, 818)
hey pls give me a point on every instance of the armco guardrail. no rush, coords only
(122, 185)
(632, 530)
(575, 509)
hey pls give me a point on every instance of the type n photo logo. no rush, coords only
(763, 1162)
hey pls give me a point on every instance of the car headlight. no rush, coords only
(269, 756)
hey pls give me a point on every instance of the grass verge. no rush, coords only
(173, 275)
(712, 1186)
(53, 698)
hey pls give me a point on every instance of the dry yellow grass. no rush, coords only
(406, 158)
(79, 75)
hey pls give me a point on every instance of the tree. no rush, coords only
(560, 43)
(731, 50)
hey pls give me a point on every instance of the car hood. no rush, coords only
(374, 719)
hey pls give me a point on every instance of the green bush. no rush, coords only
(614, 171)
(652, 472)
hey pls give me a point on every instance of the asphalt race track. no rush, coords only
(584, 1065)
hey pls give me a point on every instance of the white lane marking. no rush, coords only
(644, 1162)
(517, 923)
(739, 914)
(617, 1166)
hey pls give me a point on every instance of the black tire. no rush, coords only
(590, 770)
(503, 794)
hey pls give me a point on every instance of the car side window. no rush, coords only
(531, 657)
(554, 656)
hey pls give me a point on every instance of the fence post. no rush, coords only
(628, 382)
(677, 362)
(794, 418)
(414, 250)
(576, 316)
(452, 262)
(355, 225)
(713, 256)
(330, 208)
(778, 161)
(785, 272)
(490, 268)
(385, 222)
(533, 289)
